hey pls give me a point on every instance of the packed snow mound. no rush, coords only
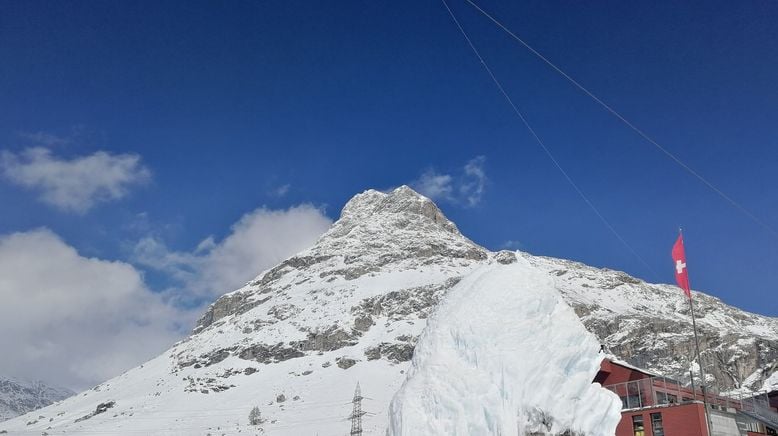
(504, 355)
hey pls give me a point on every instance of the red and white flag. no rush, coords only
(681, 273)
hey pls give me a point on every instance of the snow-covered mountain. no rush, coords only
(295, 341)
(18, 397)
(649, 325)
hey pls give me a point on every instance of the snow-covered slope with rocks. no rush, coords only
(295, 341)
(649, 325)
(18, 397)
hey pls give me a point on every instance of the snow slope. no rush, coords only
(504, 355)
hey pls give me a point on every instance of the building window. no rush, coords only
(665, 398)
(656, 424)
(637, 425)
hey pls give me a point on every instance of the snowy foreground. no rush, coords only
(504, 355)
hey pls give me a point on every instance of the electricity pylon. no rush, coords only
(357, 413)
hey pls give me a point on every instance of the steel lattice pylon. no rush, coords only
(356, 413)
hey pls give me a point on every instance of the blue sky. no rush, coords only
(202, 113)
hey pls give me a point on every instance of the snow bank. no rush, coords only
(504, 355)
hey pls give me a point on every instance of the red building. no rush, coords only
(653, 405)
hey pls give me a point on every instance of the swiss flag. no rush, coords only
(681, 273)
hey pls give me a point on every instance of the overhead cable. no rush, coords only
(629, 124)
(542, 144)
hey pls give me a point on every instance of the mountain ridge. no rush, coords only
(18, 397)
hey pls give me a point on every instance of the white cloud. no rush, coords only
(258, 241)
(474, 181)
(434, 185)
(77, 184)
(76, 321)
(465, 189)
(73, 320)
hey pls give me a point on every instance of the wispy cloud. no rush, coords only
(44, 139)
(511, 245)
(77, 184)
(474, 181)
(465, 188)
(434, 185)
(258, 241)
(281, 191)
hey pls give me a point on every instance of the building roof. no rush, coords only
(615, 360)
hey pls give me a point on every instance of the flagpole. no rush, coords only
(697, 348)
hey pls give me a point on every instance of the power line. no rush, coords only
(629, 124)
(542, 144)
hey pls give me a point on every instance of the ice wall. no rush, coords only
(504, 355)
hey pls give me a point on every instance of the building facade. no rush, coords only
(653, 405)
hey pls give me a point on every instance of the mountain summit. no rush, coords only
(402, 201)
(385, 228)
(294, 341)
(376, 232)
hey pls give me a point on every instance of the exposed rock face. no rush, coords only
(403, 303)
(19, 397)
(505, 257)
(331, 339)
(101, 408)
(395, 352)
(233, 304)
(345, 362)
(270, 354)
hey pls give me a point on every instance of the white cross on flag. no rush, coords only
(681, 273)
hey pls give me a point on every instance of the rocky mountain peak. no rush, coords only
(404, 206)
(378, 229)
(377, 233)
